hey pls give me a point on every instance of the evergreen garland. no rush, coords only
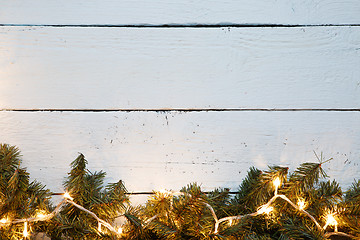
(19, 198)
(188, 214)
(86, 188)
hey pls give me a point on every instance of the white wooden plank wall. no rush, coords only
(152, 150)
(164, 93)
(134, 68)
(142, 12)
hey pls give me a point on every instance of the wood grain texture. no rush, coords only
(151, 150)
(131, 68)
(179, 12)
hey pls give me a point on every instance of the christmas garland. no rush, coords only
(272, 204)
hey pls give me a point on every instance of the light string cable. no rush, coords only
(38, 218)
(267, 208)
(100, 221)
(46, 217)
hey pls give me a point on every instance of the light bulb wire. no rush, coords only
(172, 194)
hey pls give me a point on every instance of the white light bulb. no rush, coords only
(41, 215)
(67, 196)
(277, 183)
(4, 221)
(330, 220)
(25, 232)
(163, 191)
(301, 204)
(99, 227)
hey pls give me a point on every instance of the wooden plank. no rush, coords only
(179, 12)
(150, 150)
(131, 68)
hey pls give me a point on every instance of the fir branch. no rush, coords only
(257, 237)
(38, 196)
(241, 203)
(9, 159)
(304, 178)
(88, 193)
(220, 200)
(327, 196)
(189, 215)
(297, 229)
(164, 231)
(353, 193)
(133, 220)
(263, 189)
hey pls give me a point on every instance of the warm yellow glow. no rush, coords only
(25, 232)
(99, 227)
(41, 215)
(120, 230)
(277, 183)
(164, 192)
(67, 196)
(4, 221)
(265, 209)
(301, 204)
(330, 220)
(230, 222)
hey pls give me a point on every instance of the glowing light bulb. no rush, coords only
(330, 220)
(120, 230)
(67, 196)
(25, 232)
(265, 209)
(301, 204)
(41, 215)
(4, 221)
(164, 192)
(277, 183)
(99, 227)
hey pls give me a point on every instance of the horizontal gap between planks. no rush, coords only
(219, 25)
(141, 193)
(189, 110)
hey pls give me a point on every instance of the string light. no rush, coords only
(25, 232)
(301, 204)
(4, 221)
(41, 215)
(67, 196)
(99, 227)
(331, 221)
(265, 209)
(277, 184)
(165, 193)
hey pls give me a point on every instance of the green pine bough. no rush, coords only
(271, 204)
